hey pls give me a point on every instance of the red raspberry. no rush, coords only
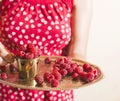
(22, 48)
(47, 60)
(90, 69)
(64, 66)
(98, 72)
(87, 77)
(47, 73)
(30, 46)
(78, 70)
(59, 61)
(83, 76)
(70, 71)
(74, 65)
(91, 77)
(75, 76)
(12, 68)
(63, 72)
(86, 67)
(67, 60)
(29, 55)
(56, 65)
(4, 76)
(54, 83)
(56, 68)
(32, 49)
(57, 75)
(95, 72)
(50, 78)
(21, 54)
(39, 79)
(3, 68)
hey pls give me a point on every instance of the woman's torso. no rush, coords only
(45, 23)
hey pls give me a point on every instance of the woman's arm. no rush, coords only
(5, 55)
(81, 19)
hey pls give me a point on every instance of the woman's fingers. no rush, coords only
(9, 58)
(2, 62)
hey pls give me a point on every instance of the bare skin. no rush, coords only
(81, 19)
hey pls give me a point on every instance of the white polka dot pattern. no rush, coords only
(48, 24)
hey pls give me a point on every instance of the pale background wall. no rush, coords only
(104, 51)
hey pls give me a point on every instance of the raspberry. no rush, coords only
(29, 55)
(32, 49)
(56, 68)
(50, 78)
(47, 73)
(57, 75)
(4, 76)
(54, 83)
(86, 67)
(64, 66)
(74, 65)
(22, 48)
(47, 60)
(70, 71)
(59, 61)
(21, 54)
(98, 72)
(28, 52)
(56, 65)
(63, 72)
(95, 72)
(83, 76)
(75, 76)
(12, 68)
(91, 77)
(67, 60)
(30, 46)
(39, 79)
(78, 70)
(3, 68)
(90, 69)
(87, 77)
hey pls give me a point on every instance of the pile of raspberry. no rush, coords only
(28, 52)
(3, 71)
(66, 67)
(3, 74)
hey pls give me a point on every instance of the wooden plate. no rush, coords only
(65, 84)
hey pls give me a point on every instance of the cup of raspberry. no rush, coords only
(27, 60)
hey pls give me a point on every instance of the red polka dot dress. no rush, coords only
(46, 24)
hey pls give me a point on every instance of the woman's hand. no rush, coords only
(9, 58)
(2, 62)
(5, 56)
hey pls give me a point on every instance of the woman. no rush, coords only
(50, 25)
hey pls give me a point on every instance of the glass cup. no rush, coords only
(28, 69)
